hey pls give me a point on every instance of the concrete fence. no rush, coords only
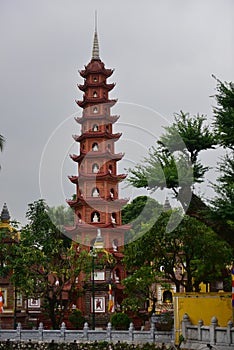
(130, 336)
(212, 336)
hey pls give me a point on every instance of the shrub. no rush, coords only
(77, 319)
(120, 321)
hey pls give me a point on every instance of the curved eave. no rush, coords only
(107, 155)
(80, 201)
(75, 179)
(83, 87)
(81, 227)
(95, 101)
(96, 134)
(89, 70)
(110, 118)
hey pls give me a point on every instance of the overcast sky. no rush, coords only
(163, 52)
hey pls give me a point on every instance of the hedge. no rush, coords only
(16, 345)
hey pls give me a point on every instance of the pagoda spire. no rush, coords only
(5, 216)
(95, 53)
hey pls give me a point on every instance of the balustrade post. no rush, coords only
(152, 331)
(131, 332)
(63, 331)
(108, 332)
(18, 331)
(185, 323)
(199, 330)
(85, 331)
(214, 324)
(40, 331)
(229, 332)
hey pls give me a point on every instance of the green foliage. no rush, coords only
(224, 114)
(189, 135)
(174, 163)
(120, 320)
(77, 319)
(223, 203)
(61, 216)
(45, 264)
(138, 287)
(191, 253)
(7, 250)
(9, 345)
(2, 140)
(141, 210)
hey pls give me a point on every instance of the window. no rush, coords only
(95, 168)
(95, 94)
(79, 217)
(113, 218)
(95, 79)
(95, 192)
(95, 127)
(115, 245)
(112, 193)
(95, 147)
(110, 169)
(95, 217)
(95, 110)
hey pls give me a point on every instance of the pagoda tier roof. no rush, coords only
(81, 201)
(99, 175)
(95, 101)
(102, 84)
(96, 66)
(83, 226)
(110, 118)
(97, 134)
(94, 154)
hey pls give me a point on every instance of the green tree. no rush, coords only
(138, 287)
(61, 216)
(174, 163)
(223, 204)
(2, 140)
(46, 266)
(190, 254)
(138, 212)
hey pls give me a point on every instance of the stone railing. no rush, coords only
(212, 336)
(130, 336)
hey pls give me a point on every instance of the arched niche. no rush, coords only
(95, 168)
(95, 147)
(95, 127)
(113, 218)
(95, 216)
(95, 192)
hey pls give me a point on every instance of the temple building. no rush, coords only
(12, 305)
(97, 206)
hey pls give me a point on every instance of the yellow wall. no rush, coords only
(202, 306)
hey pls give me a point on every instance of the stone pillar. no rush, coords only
(152, 331)
(62, 331)
(199, 330)
(214, 324)
(185, 323)
(40, 331)
(18, 331)
(108, 332)
(229, 332)
(85, 331)
(131, 332)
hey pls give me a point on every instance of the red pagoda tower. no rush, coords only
(97, 205)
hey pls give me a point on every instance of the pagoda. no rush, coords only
(97, 206)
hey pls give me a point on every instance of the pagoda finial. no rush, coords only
(95, 53)
(5, 216)
(167, 205)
